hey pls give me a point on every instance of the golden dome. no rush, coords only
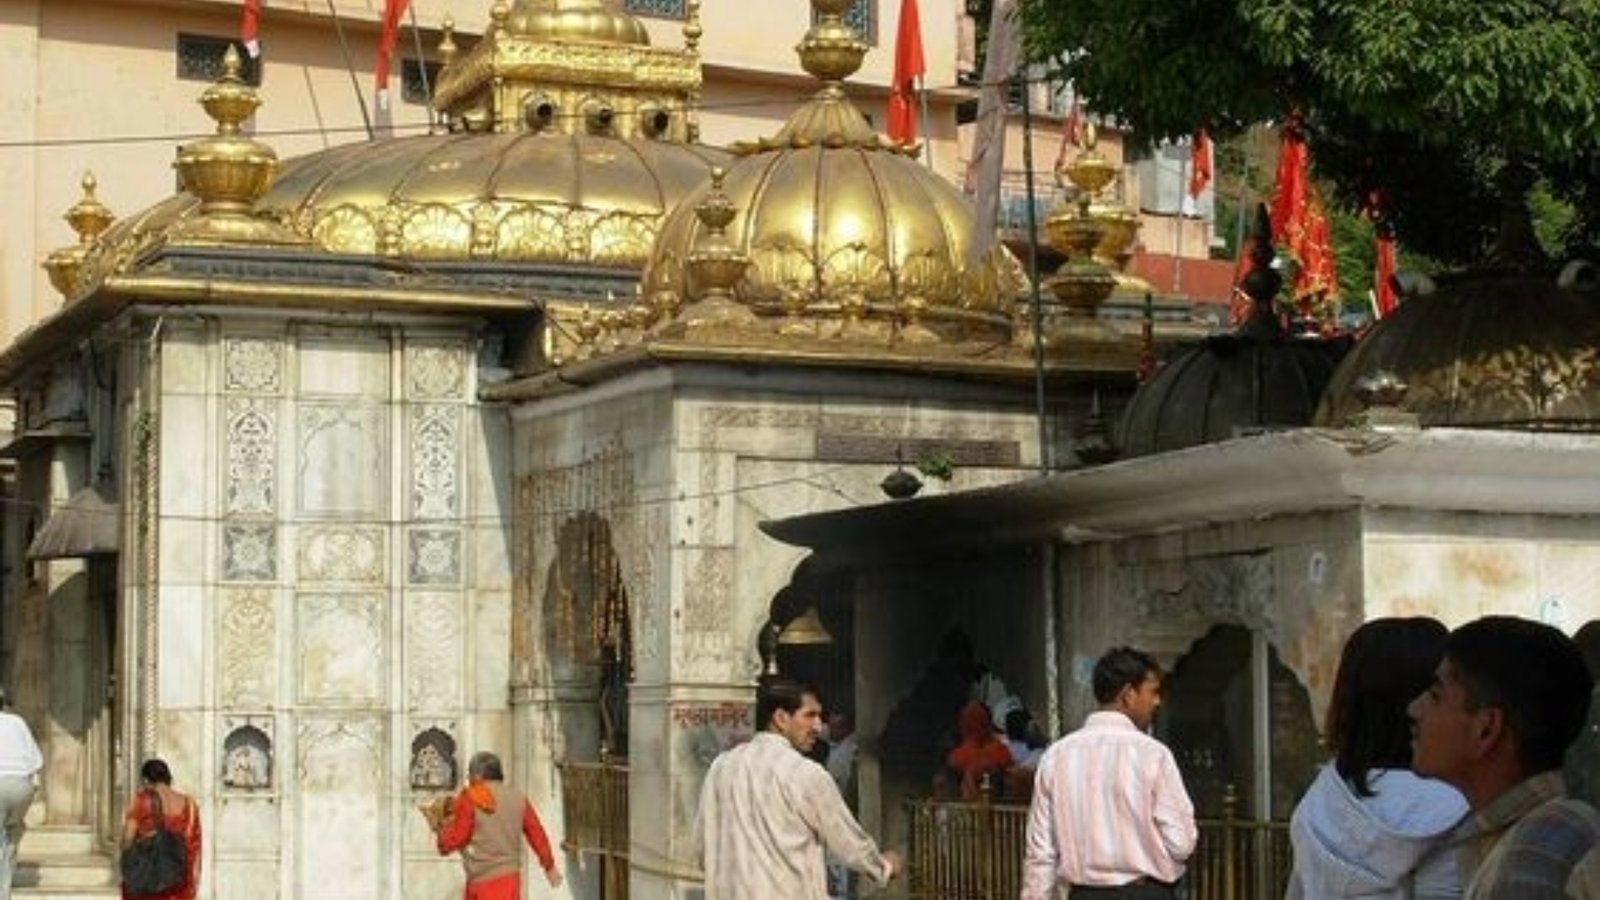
(582, 21)
(844, 231)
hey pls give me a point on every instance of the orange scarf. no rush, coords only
(480, 794)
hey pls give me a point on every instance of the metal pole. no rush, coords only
(927, 123)
(350, 66)
(1046, 463)
(1177, 248)
(422, 68)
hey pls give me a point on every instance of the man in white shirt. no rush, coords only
(767, 811)
(20, 762)
(1110, 815)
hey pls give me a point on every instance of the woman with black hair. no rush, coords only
(156, 807)
(1369, 827)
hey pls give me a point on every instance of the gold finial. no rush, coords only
(89, 217)
(716, 265)
(499, 15)
(692, 31)
(229, 171)
(831, 50)
(447, 41)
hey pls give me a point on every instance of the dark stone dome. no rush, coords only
(1507, 348)
(1226, 385)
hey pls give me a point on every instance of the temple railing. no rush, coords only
(594, 805)
(974, 851)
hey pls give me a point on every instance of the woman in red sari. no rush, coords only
(181, 816)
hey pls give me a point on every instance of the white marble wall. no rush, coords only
(334, 574)
(707, 454)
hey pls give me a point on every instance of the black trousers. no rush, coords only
(1143, 889)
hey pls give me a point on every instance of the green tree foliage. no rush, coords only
(1423, 98)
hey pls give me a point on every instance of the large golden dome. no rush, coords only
(842, 229)
(576, 20)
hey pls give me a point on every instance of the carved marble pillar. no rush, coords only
(71, 660)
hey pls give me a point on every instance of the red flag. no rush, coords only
(909, 65)
(250, 31)
(1388, 264)
(1301, 225)
(1072, 131)
(1204, 163)
(393, 12)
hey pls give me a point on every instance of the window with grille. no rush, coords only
(417, 80)
(200, 59)
(660, 9)
(863, 17)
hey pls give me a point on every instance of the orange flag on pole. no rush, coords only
(909, 65)
(250, 31)
(1204, 164)
(1300, 224)
(393, 12)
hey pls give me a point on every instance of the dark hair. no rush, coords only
(485, 766)
(1121, 667)
(155, 771)
(1017, 724)
(776, 692)
(1531, 672)
(1386, 663)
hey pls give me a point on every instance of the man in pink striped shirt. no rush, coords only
(1110, 815)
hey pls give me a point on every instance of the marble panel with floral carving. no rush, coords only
(436, 370)
(342, 836)
(341, 648)
(249, 552)
(247, 631)
(433, 556)
(342, 459)
(435, 461)
(342, 554)
(252, 365)
(252, 454)
(433, 650)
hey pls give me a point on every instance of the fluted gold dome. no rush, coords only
(583, 21)
(843, 228)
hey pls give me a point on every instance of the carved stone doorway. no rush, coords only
(1235, 715)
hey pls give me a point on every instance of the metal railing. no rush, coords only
(973, 851)
(594, 805)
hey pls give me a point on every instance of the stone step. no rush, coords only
(44, 841)
(57, 872)
(66, 893)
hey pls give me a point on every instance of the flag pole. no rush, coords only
(1177, 243)
(1045, 461)
(350, 66)
(422, 68)
(927, 123)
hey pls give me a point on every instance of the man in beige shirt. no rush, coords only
(767, 812)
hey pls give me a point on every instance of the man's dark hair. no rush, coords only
(1386, 663)
(1121, 667)
(155, 771)
(1531, 672)
(777, 692)
(486, 766)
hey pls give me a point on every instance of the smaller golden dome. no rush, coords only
(580, 21)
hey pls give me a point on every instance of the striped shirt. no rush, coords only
(766, 812)
(1527, 842)
(1109, 808)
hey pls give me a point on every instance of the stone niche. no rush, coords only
(247, 754)
(434, 764)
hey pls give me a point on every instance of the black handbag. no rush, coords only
(158, 862)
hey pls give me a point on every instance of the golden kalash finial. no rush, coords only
(447, 42)
(831, 51)
(716, 265)
(1082, 283)
(89, 218)
(229, 171)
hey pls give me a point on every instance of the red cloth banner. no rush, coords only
(250, 31)
(1204, 163)
(393, 12)
(1301, 227)
(909, 65)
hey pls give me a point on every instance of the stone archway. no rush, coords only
(588, 636)
(1208, 718)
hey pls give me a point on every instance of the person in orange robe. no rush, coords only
(487, 825)
(980, 753)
